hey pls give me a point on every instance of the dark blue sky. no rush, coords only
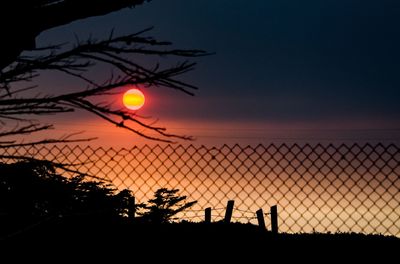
(303, 62)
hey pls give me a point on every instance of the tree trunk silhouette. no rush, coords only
(26, 19)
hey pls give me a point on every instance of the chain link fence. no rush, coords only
(321, 188)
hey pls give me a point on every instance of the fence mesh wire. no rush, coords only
(321, 188)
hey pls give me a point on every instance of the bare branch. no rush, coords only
(76, 61)
(68, 167)
(46, 141)
(18, 91)
(25, 130)
(104, 111)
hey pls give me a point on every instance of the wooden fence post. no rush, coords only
(229, 210)
(274, 219)
(207, 213)
(260, 218)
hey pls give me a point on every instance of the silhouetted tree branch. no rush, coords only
(23, 20)
(76, 61)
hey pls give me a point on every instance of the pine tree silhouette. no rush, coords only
(165, 204)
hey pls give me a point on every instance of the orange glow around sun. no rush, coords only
(133, 99)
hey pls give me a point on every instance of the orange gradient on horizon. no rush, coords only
(133, 99)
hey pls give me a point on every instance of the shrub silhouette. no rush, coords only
(165, 204)
(31, 191)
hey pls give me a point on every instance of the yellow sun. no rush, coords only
(133, 99)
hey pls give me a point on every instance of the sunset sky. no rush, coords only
(283, 70)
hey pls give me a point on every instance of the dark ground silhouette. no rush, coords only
(95, 239)
(61, 217)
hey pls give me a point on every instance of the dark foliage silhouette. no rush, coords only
(165, 204)
(32, 192)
